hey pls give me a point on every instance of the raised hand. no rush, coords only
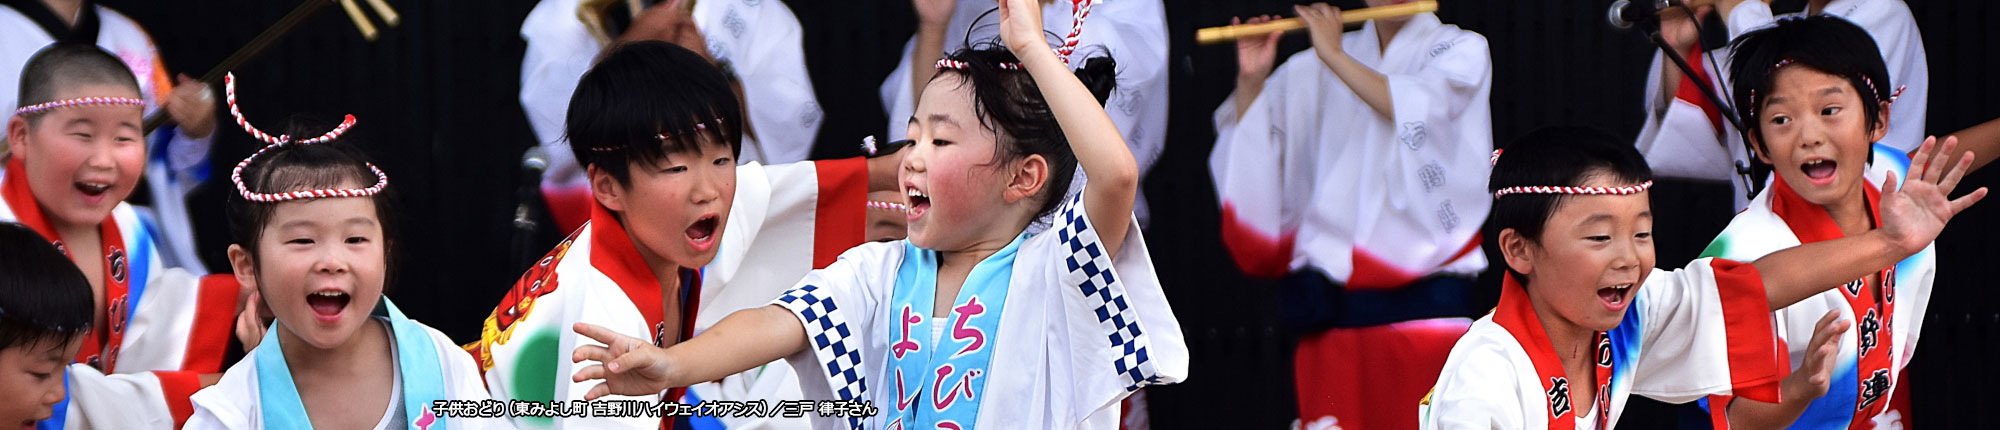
(1679, 28)
(1323, 21)
(1813, 377)
(628, 365)
(1021, 29)
(1914, 214)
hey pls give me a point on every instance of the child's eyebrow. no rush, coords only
(1833, 90)
(938, 118)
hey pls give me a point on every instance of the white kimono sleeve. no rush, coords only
(118, 401)
(1433, 174)
(1251, 163)
(837, 306)
(1678, 139)
(559, 51)
(786, 220)
(1121, 332)
(1703, 330)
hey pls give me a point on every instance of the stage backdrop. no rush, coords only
(436, 98)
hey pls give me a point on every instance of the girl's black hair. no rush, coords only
(1825, 43)
(43, 296)
(1009, 103)
(1556, 156)
(296, 167)
(641, 90)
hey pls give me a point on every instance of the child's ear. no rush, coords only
(1029, 177)
(1757, 147)
(243, 266)
(1881, 128)
(17, 135)
(605, 189)
(1515, 249)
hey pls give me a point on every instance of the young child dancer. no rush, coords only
(1047, 328)
(1584, 315)
(75, 154)
(1813, 99)
(660, 153)
(313, 228)
(45, 309)
(179, 150)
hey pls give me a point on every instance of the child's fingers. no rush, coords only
(598, 333)
(1956, 172)
(1965, 202)
(591, 372)
(591, 353)
(633, 361)
(1921, 159)
(600, 390)
(1936, 165)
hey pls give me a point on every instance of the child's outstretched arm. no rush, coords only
(632, 366)
(1912, 217)
(1100, 149)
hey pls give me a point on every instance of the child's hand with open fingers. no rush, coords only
(628, 365)
(1914, 214)
(1021, 29)
(1812, 378)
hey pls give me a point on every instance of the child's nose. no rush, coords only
(55, 392)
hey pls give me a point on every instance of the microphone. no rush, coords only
(534, 161)
(1623, 14)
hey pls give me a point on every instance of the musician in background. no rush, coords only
(178, 153)
(1356, 172)
(753, 41)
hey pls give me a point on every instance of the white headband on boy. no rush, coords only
(81, 101)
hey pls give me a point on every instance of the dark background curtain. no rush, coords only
(438, 109)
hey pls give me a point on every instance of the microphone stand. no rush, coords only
(529, 194)
(1650, 25)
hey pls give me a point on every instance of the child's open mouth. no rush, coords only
(93, 189)
(1614, 297)
(328, 304)
(1820, 171)
(702, 233)
(919, 204)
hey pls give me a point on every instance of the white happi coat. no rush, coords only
(1680, 140)
(786, 220)
(1688, 333)
(1311, 177)
(176, 162)
(1132, 32)
(1777, 219)
(174, 325)
(1078, 331)
(758, 38)
(234, 402)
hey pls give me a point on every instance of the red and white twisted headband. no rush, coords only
(82, 101)
(1079, 9)
(236, 175)
(1546, 189)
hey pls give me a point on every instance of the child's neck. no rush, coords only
(1851, 213)
(669, 275)
(346, 386)
(85, 245)
(1573, 346)
(65, 9)
(1814, 7)
(955, 266)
